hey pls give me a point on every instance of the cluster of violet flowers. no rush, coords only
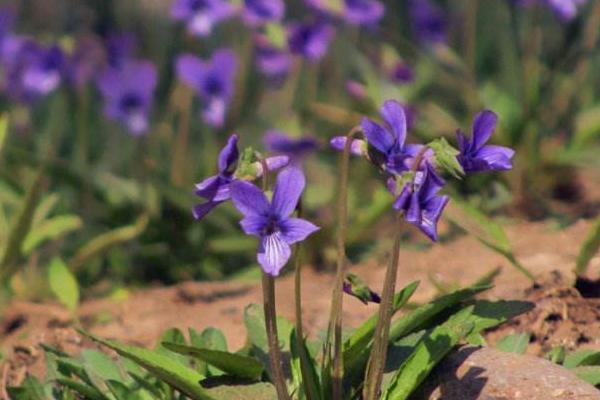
(414, 178)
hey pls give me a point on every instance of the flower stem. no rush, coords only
(304, 361)
(335, 320)
(268, 286)
(374, 373)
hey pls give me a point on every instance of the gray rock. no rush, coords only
(482, 373)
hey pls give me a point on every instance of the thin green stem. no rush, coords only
(376, 364)
(335, 320)
(304, 361)
(180, 150)
(268, 286)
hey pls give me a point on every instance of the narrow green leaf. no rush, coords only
(515, 343)
(3, 130)
(98, 363)
(430, 350)
(590, 374)
(356, 344)
(580, 358)
(419, 318)
(588, 249)
(31, 389)
(63, 284)
(489, 314)
(184, 379)
(556, 355)
(20, 228)
(88, 392)
(122, 392)
(244, 391)
(49, 230)
(232, 364)
(104, 242)
(307, 380)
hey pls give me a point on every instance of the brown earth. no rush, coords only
(562, 316)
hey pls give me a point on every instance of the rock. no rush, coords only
(483, 373)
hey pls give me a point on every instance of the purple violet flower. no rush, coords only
(420, 202)
(475, 155)
(429, 21)
(271, 221)
(259, 12)
(363, 12)
(311, 40)
(201, 16)
(401, 73)
(34, 71)
(128, 94)
(296, 149)
(565, 10)
(273, 62)
(391, 153)
(216, 189)
(212, 80)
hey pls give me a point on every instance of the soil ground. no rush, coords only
(561, 316)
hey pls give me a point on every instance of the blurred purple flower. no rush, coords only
(7, 22)
(120, 49)
(311, 40)
(85, 61)
(401, 73)
(428, 21)
(259, 12)
(128, 94)
(356, 89)
(420, 202)
(213, 81)
(475, 155)
(363, 12)
(296, 149)
(271, 221)
(391, 153)
(271, 61)
(201, 16)
(33, 71)
(565, 10)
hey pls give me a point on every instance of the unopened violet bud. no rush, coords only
(401, 73)
(356, 287)
(358, 147)
(356, 90)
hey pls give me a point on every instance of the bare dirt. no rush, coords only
(562, 316)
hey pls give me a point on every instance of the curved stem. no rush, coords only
(335, 321)
(268, 286)
(375, 367)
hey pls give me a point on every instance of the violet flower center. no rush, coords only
(271, 225)
(130, 102)
(213, 86)
(197, 5)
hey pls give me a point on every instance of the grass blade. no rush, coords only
(588, 249)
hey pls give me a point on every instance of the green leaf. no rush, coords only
(104, 242)
(556, 355)
(430, 350)
(232, 364)
(515, 343)
(98, 363)
(489, 314)
(488, 232)
(588, 249)
(63, 284)
(21, 227)
(122, 392)
(184, 379)
(445, 157)
(358, 342)
(590, 374)
(254, 320)
(304, 368)
(585, 357)
(88, 392)
(419, 318)
(31, 389)
(214, 339)
(255, 391)
(49, 230)
(3, 130)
